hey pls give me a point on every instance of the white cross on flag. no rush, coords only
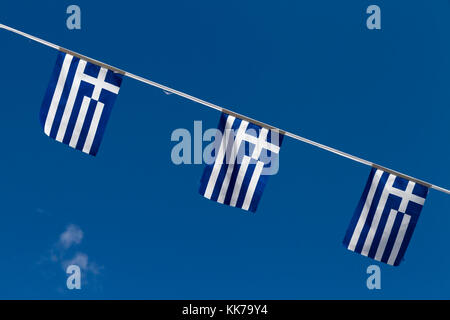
(78, 102)
(245, 155)
(385, 217)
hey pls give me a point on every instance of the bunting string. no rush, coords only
(226, 111)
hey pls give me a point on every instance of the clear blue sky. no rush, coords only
(136, 222)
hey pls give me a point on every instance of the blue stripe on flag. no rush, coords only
(407, 239)
(258, 192)
(86, 125)
(50, 89)
(246, 182)
(64, 96)
(371, 214)
(392, 237)
(359, 207)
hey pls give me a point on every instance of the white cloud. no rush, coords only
(64, 253)
(72, 235)
(82, 260)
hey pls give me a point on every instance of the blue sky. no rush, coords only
(135, 222)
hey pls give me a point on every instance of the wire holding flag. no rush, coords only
(385, 218)
(78, 102)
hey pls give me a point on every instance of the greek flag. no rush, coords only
(385, 217)
(245, 155)
(78, 102)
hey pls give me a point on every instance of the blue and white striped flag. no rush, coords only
(385, 217)
(245, 155)
(78, 102)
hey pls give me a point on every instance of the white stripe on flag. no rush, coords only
(262, 143)
(365, 210)
(232, 160)
(80, 121)
(399, 239)
(93, 128)
(57, 94)
(219, 158)
(239, 179)
(377, 216)
(386, 234)
(252, 185)
(70, 101)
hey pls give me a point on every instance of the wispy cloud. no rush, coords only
(82, 260)
(72, 235)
